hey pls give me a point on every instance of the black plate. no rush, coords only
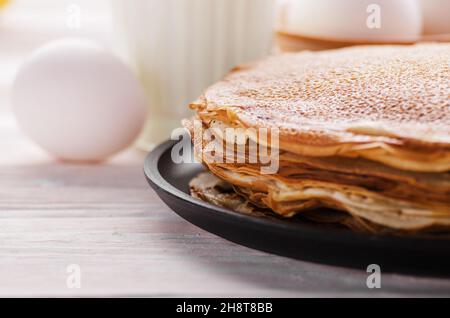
(296, 240)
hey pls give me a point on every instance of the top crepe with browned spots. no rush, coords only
(395, 94)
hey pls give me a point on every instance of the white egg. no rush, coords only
(355, 20)
(436, 15)
(78, 101)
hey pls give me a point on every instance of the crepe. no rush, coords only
(211, 189)
(362, 130)
(385, 103)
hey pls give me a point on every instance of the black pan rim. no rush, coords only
(158, 182)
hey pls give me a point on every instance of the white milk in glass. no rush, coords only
(180, 47)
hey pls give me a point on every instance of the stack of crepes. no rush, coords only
(363, 130)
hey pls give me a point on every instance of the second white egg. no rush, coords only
(356, 20)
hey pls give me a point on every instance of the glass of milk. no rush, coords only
(180, 47)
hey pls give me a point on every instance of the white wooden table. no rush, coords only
(106, 219)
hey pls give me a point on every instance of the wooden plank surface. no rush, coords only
(106, 219)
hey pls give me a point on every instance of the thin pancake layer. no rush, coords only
(370, 192)
(211, 189)
(288, 200)
(424, 188)
(389, 104)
